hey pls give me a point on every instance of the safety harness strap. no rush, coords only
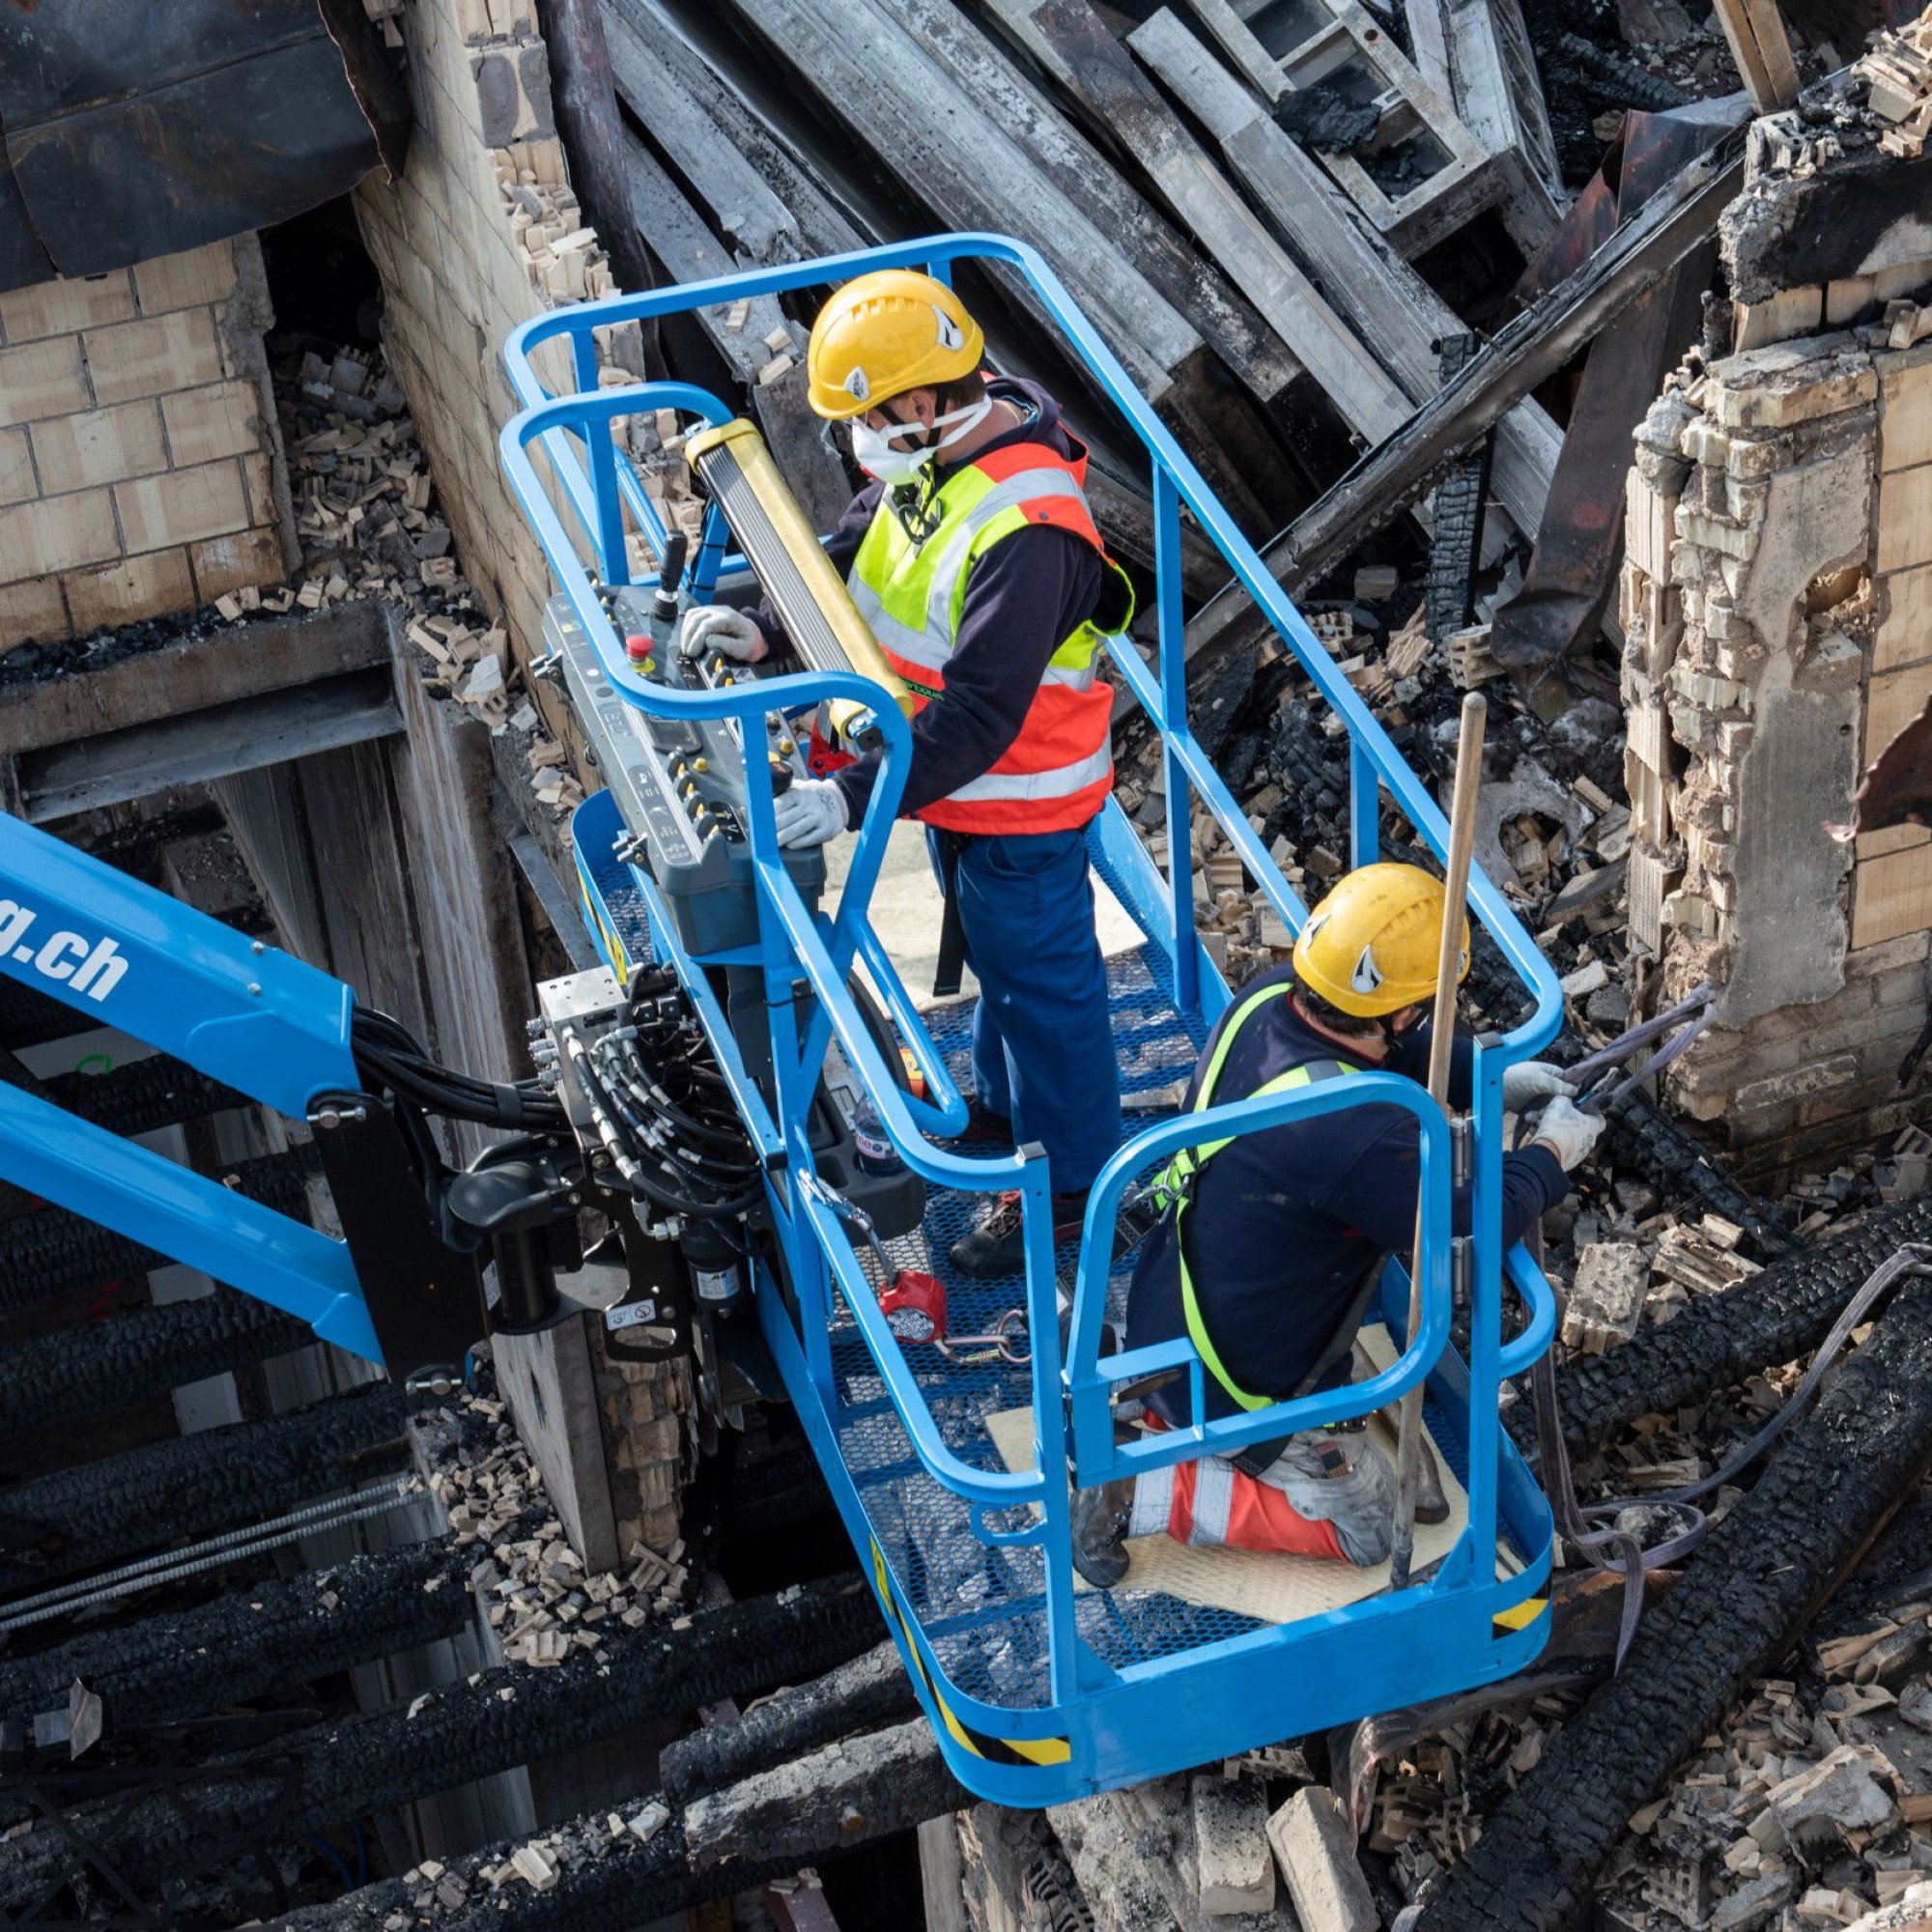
(1176, 1185)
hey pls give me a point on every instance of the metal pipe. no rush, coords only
(172, 1565)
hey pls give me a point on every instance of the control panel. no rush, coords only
(679, 783)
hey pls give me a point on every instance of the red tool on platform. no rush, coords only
(914, 1302)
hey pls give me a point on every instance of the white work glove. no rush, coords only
(1567, 1131)
(1533, 1080)
(810, 812)
(717, 627)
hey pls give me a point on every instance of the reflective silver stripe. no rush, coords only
(918, 648)
(922, 648)
(1213, 1500)
(931, 648)
(1025, 486)
(1153, 1503)
(1060, 781)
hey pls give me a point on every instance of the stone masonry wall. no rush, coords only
(1775, 598)
(141, 468)
(479, 234)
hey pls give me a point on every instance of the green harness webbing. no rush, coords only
(1174, 1189)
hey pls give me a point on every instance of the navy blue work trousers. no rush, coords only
(1043, 1040)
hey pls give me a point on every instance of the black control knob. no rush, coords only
(670, 573)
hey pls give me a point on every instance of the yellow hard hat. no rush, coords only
(883, 333)
(1370, 947)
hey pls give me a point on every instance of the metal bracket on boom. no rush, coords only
(424, 1297)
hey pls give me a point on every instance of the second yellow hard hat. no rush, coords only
(1370, 947)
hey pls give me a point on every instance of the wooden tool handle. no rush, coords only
(1442, 1039)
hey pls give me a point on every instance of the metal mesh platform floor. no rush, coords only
(982, 1607)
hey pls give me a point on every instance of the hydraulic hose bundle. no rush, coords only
(392, 1060)
(664, 1110)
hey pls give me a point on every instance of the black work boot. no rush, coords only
(1100, 1532)
(995, 1244)
(985, 1128)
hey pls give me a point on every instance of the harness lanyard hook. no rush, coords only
(854, 1217)
(1010, 1339)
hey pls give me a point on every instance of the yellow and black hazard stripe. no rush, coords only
(1520, 1616)
(981, 1743)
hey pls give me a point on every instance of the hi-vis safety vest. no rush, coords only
(1055, 775)
(1174, 1188)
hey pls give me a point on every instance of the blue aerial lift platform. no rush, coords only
(1038, 1691)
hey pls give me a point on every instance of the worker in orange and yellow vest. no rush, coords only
(975, 557)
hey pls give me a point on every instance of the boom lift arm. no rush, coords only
(403, 1287)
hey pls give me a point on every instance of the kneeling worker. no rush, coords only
(1272, 1242)
(976, 560)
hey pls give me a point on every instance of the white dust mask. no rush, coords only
(873, 450)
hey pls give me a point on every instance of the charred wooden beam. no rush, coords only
(182, 1664)
(1202, 290)
(780, 1488)
(969, 171)
(871, 1690)
(100, 1513)
(497, 1719)
(14, 1202)
(1609, 81)
(664, 1861)
(1394, 311)
(54, 1252)
(1533, 347)
(593, 132)
(145, 1351)
(1749, 1592)
(29, 1017)
(683, 240)
(1719, 1340)
(1079, 48)
(1455, 539)
(770, 203)
(825, 1798)
(1682, 1169)
(158, 1092)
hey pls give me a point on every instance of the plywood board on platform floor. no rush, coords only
(1275, 1589)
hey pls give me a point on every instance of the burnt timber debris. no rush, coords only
(1505, 340)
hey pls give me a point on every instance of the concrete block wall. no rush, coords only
(1778, 565)
(141, 468)
(463, 243)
